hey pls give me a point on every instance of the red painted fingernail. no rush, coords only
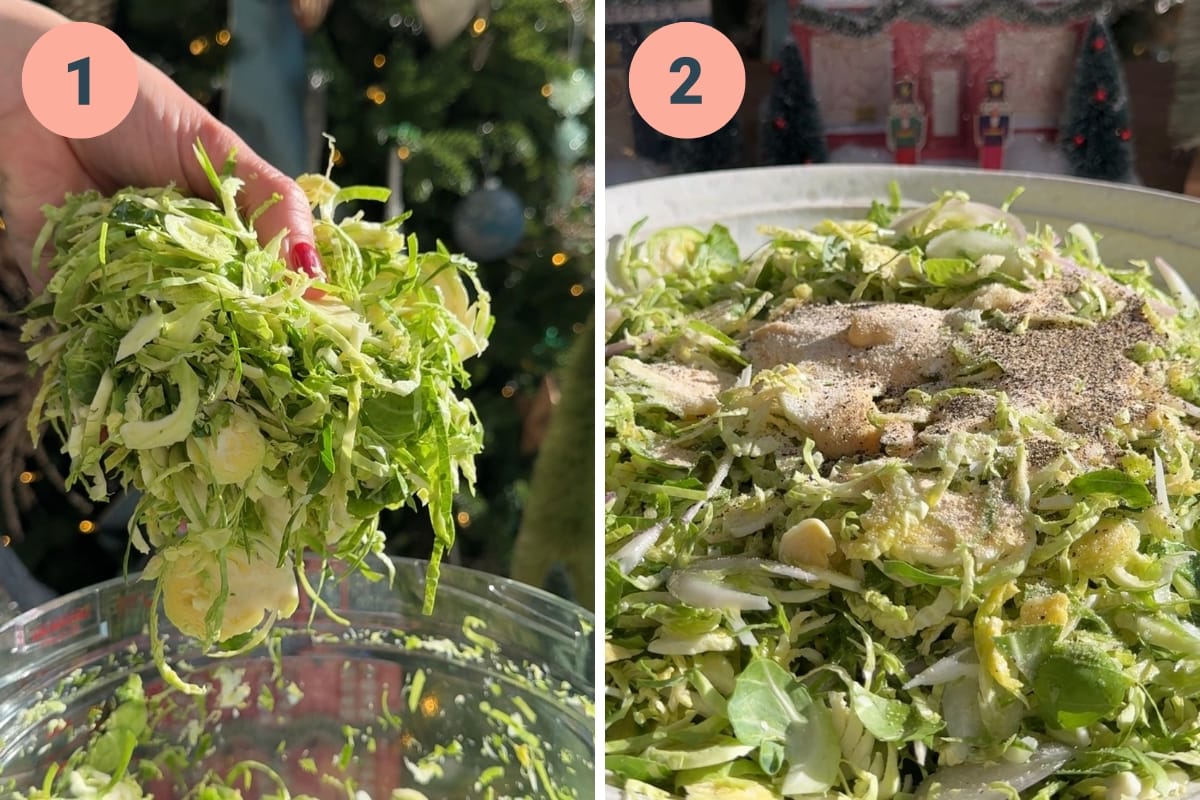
(304, 259)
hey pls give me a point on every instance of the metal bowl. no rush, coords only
(492, 651)
(1132, 223)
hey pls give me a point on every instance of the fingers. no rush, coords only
(153, 147)
(302, 257)
(288, 208)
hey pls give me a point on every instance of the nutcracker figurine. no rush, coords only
(906, 124)
(993, 126)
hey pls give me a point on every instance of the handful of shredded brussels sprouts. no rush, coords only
(181, 358)
(901, 507)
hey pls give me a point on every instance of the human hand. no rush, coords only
(151, 147)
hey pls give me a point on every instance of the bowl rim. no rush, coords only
(400, 562)
(737, 185)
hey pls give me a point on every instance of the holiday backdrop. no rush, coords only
(853, 76)
(479, 116)
(1078, 87)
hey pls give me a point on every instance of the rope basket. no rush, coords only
(101, 12)
(18, 452)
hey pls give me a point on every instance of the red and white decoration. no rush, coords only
(993, 126)
(906, 124)
(853, 79)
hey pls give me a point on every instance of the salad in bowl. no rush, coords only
(901, 507)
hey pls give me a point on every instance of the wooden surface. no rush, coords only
(1191, 183)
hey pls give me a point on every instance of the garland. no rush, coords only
(625, 12)
(1030, 12)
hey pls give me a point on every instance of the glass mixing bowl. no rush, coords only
(491, 696)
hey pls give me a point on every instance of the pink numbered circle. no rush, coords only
(79, 80)
(687, 80)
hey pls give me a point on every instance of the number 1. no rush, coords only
(84, 67)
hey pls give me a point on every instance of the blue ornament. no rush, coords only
(489, 222)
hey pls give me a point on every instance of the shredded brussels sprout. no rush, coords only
(181, 358)
(900, 507)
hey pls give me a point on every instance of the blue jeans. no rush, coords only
(267, 82)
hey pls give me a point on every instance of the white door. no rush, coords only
(946, 94)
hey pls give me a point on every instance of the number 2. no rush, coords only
(84, 67)
(680, 96)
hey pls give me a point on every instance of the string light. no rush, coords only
(198, 45)
(558, 259)
(379, 60)
(547, 90)
(87, 526)
(576, 290)
(5, 540)
(478, 26)
(223, 36)
(402, 152)
(508, 391)
(430, 705)
(26, 477)
(376, 95)
(464, 519)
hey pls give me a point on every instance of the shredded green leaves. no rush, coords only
(181, 358)
(870, 532)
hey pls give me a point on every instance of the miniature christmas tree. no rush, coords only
(792, 129)
(1095, 134)
(719, 150)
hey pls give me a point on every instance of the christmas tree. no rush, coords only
(792, 129)
(190, 41)
(504, 98)
(470, 120)
(719, 150)
(1095, 132)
